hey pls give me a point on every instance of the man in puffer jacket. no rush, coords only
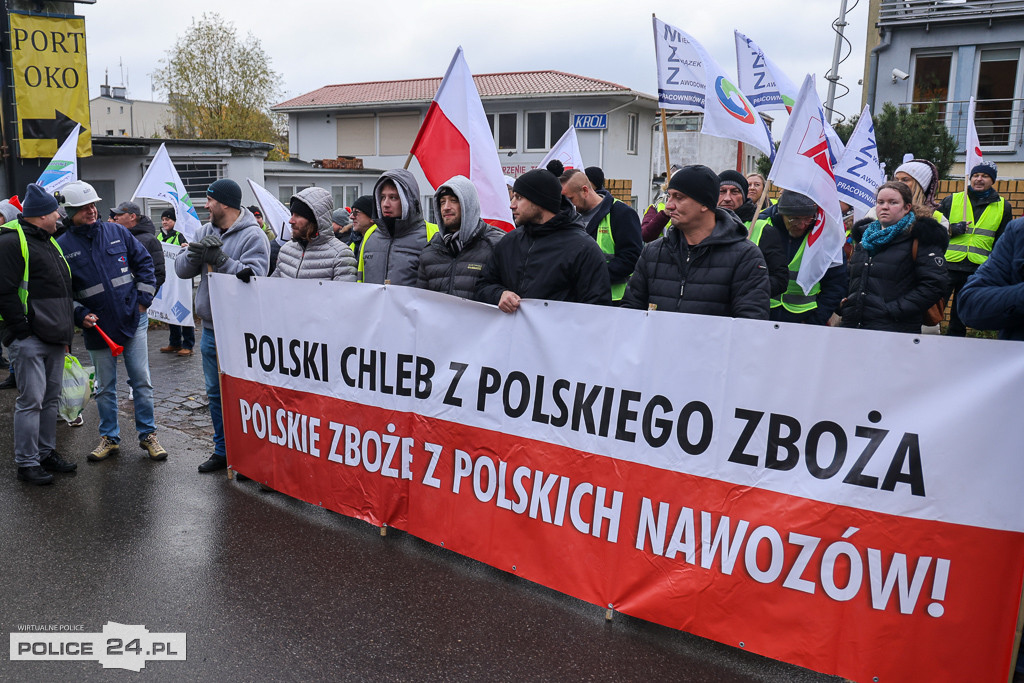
(705, 263)
(391, 251)
(454, 259)
(313, 252)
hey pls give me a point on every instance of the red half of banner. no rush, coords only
(836, 589)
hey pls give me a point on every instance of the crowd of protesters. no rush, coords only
(705, 246)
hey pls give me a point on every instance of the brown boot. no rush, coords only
(185, 352)
(170, 349)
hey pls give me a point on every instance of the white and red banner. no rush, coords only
(843, 522)
(804, 164)
(566, 150)
(456, 140)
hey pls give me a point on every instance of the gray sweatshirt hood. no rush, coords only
(469, 202)
(409, 191)
(321, 204)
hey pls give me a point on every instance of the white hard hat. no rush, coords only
(76, 194)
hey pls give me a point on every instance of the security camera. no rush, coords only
(899, 74)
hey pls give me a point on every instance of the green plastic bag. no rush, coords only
(76, 388)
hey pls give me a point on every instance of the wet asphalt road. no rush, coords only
(270, 588)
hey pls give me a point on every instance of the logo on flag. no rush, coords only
(740, 109)
(814, 146)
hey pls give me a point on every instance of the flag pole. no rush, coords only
(664, 135)
(408, 160)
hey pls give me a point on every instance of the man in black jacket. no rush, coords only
(38, 325)
(704, 263)
(548, 255)
(613, 224)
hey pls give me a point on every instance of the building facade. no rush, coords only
(528, 112)
(113, 114)
(951, 50)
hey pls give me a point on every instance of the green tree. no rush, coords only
(220, 87)
(899, 130)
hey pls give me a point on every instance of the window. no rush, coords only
(196, 178)
(503, 128)
(544, 128)
(356, 136)
(122, 110)
(932, 75)
(120, 131)
(997, 83)
(285, 192)
(344, 195)
(397, 133)
(110, 131)
(429, 214)
(108, 110)
(632, 132)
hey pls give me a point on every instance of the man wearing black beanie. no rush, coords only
(704, 264)
(548, 256)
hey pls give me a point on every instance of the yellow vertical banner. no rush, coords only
(51, 83)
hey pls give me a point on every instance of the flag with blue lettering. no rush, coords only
(63, 167)
(858, 173)
(761, 80)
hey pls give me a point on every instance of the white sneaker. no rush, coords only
(77, 422)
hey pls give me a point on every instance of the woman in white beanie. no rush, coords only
(921, 176)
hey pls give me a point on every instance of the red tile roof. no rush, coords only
(522, 83)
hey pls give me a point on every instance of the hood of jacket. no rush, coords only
(144, 226)
(320, 203)
(412, 210)
(469, 202)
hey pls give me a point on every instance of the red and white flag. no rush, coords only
(566, 150)
(456, 140)
(803, 164)
(973, 147)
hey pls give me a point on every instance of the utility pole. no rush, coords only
(833, 75)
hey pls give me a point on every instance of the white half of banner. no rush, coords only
(63, 167)
(173, 301)
(566, 150)
(858, 173)
(867, 425)
(275, 214)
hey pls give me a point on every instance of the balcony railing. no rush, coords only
(905, 12)
(1000, 123)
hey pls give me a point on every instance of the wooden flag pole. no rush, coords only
(664, 135)
(408, 161)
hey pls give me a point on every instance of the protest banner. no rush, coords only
(173, 301)
(837, 522)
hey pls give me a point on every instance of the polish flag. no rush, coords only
(456, 140)
(973, 147)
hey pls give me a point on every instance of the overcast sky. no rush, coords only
(313, 43)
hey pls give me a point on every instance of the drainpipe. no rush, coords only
(873, 68)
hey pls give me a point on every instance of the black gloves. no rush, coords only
(245, 274)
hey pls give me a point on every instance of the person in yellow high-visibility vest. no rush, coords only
(732, 195)
(614, 225)
(792, 223)
(390, 253)
(976, 220)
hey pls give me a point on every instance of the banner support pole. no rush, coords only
(664, 135)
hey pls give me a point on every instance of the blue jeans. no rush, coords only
(40, 371)
(211, 375)
(136, 362)
(183, 336)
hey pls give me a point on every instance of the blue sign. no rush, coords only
(590, 121)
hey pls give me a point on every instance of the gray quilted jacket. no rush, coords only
(456, 270)
(323, 257)
(391, 253)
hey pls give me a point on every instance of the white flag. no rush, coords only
(173, 302)
(803, 165)
(690, 78)
(566, 150)
(163, 182)
(858, 173)
(973, 146)
(275, 214)
(764, 83)
(63, 167)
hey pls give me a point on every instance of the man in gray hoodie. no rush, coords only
(313, 252)
(232, 242)
(391, 252)
(454, 258)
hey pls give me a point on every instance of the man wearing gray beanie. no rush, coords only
(548, 256)
(976, 220)
(704, 263)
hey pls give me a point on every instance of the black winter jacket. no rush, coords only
(50, 309)
(724, 275)
(774, 256)
(457, 274)
(625, 227)
(833, 287)
(145, 232)
(556, 261)
(889, 291)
